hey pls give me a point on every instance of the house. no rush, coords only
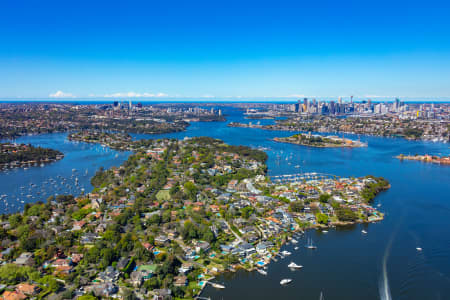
(161, 239)
(162, 294)
(101, 228)
(104, 289)
(185, 268)
(246, 249)
(109, 275)
(25, 259)
(76, 258)
(263, 247)
(88, 238)
(226, 248)
(136, 278)
(61, 263)
(180, 280)
(28, 289)
(6, 252)
(14, 295)
(202, 246)
(148, 246)
(78, 225)
(122, 263)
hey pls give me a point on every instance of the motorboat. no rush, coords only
(261, 271)
(293, 265)
(285, 281)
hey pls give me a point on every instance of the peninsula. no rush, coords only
(169, 219)
(319, 141)
(21, 155)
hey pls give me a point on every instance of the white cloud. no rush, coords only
(286, 96)
(61, 94)
(296, 96)
(135, 95)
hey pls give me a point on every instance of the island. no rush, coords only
(21, 155)
(444, 160)
(314, 140)
(168, 220)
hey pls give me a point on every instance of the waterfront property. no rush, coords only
(444, 160)
(190, 209)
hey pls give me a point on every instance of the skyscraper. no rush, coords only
(397, 104)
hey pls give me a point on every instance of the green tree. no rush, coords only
(190, 190)
(296, 206)
(324, 198)
(322, 218)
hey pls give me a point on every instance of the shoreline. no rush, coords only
(29, 164)
(327, 145)
(290, 129)
(285, 238)
(444, 160)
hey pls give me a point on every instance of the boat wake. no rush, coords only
(383, 287)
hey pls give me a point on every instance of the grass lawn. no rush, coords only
(163, 195)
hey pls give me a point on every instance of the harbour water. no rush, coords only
(346, 264)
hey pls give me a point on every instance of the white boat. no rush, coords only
(363, 231)
(310, 244)
(293, 265)
(294, 241)
(285, 281)
(419, 249)
(296, 248)
(217, 285)
(324, 231)
(286, 253)
(261, 271)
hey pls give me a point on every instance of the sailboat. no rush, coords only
(321, 296)
(310, 244)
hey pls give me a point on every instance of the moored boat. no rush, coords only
(261, 271)
(293, 265)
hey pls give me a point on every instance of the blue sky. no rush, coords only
(224, 49)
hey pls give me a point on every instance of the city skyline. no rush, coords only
(149, 50)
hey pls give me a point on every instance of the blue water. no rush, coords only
(85, 158)
(347, 264)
